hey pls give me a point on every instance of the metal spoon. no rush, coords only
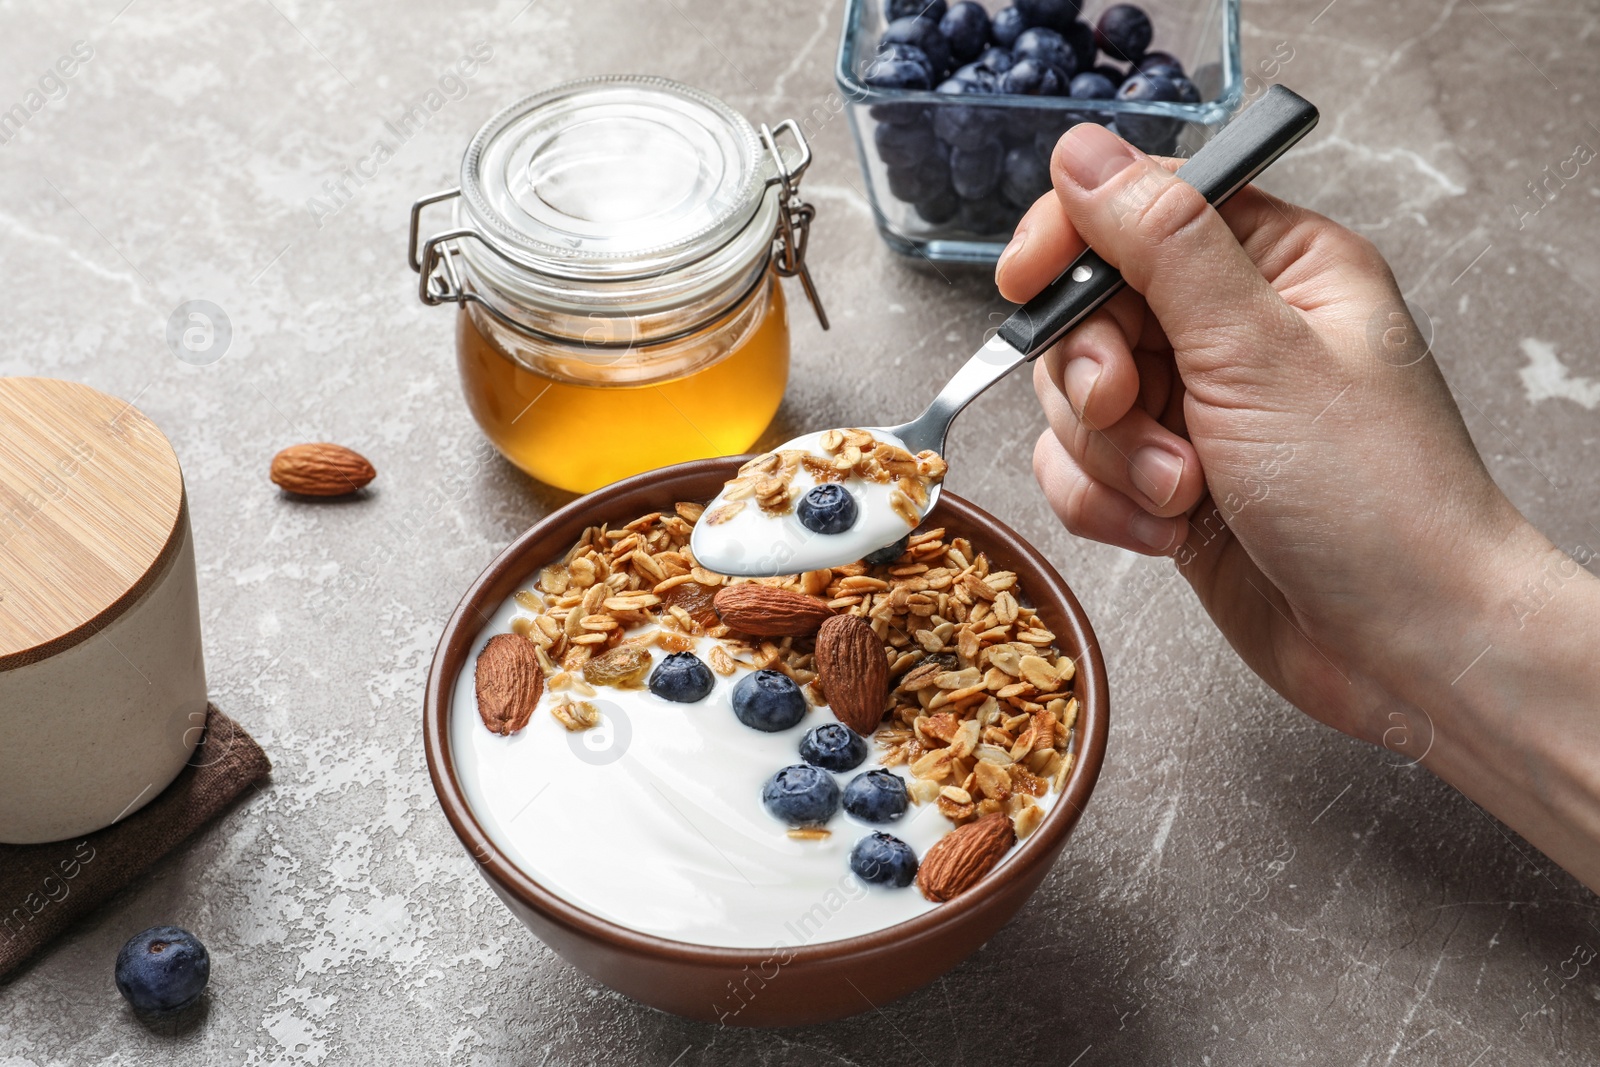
(1223, 166)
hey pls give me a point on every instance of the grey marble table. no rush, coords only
(1247, 887)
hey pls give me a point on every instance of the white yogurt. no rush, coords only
(654, 819)
(755, 542)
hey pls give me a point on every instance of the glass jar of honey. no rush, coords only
(615, 253)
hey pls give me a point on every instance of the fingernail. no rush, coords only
(1091, 154)
(1150, 531)
(1018, 239)
(1078, 380)
(1155, 473)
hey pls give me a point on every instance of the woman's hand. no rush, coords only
(1258, 405)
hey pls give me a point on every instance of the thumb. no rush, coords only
(1226, 324)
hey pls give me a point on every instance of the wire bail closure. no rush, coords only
(439, 278)
(794, 214)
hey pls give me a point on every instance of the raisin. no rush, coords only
(623, 667)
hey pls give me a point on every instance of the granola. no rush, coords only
(981, 708)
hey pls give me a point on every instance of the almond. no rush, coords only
(960, 858)
(767, 611)
(508, 682)
(854, 672)
(321, 469)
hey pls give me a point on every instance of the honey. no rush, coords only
(616, 256)
(572, 428)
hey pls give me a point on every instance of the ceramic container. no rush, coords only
(763, 987)
(102, 680)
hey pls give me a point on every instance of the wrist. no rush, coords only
(1514, 713)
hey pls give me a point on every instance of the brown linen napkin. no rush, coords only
(44, 888)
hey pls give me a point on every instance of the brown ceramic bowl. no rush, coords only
(765, 987)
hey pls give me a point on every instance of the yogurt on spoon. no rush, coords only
(817, 501)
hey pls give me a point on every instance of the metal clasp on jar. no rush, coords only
(439, 277)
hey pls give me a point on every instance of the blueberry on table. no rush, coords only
(768, 701)
(682, 677)
(975, 174)
(827, 509)
(876, 796)
(966, 27)
(904, 9)
(888, 553)
(883, 859)
(801, 795)
(904, 145)
(1024, 177)
(923, 34)
(1050, 48)
(833, 747)
(899, 67)
(1006, 26)
(1055, 14)
(162, 970)
(1123, 32)
(1031, 77)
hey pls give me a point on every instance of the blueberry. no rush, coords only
(827, 509)
(1080, 38)
(882, 859)
(768, 701)
(1188, 91)
(928, 180)
(996, 60)
(1054, 14)
(1148, 132)
(975, 173)
(1092, 85)
(1114, 75)
(801, 795)
(1049, 47)
(1123, 32)
(1024, 178)
(1031, 77)
(1151, 62)
(1007, 26)
(904, 145)
(876, 796)
(904, 9)
(966, 27)
(977, 77)
(682, 678)
(964, 127)
(888, 553)
(162, 970)
(940, 209)
(989, 218)
(833, 747)
(899, 67)
(923, 34)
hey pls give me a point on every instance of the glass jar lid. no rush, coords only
(613, 178)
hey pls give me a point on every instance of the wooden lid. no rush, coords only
(91, 508)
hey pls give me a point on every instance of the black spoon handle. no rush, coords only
(1243, 149)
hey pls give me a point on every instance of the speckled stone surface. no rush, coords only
(1247, 887)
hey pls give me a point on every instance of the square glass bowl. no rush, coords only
(914, 212)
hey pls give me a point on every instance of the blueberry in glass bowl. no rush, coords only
(1123, 32)
(966, 27)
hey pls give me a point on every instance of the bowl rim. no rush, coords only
(1207, 112)
(510, 568)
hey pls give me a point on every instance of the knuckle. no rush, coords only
(1175, 207)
